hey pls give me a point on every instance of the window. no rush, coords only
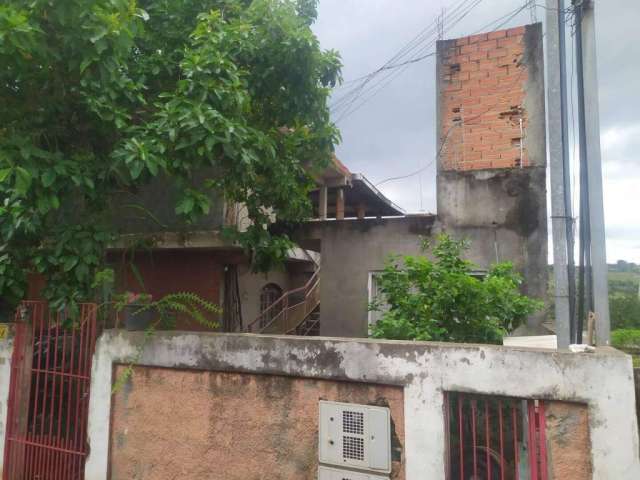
(268, 296)
(375, 292)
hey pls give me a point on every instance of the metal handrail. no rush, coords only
(307, 288)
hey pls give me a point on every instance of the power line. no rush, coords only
(427, 36)
(347, 106)
(446, 138)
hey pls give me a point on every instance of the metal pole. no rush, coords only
(594, 160)
(569, 219)
(588, 76)
(585, 295)
(557, 175)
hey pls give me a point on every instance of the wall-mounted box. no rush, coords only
(355, 436)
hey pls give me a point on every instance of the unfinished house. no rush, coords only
(491, 183)
(491, 172)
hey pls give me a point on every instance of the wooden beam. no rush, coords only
(340, 204)
(322, 203)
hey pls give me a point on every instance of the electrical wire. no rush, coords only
(447, 136)
(344, 109)
(427, 38)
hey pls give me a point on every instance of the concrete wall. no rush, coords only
(491, 175)
(425, 371)
(353, 248)
(6, 351)
(350, 250)
(152, 208)
(251, 284)
(232, 426)
(568, 443)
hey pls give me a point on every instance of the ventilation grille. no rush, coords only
(356, 437)
(353, 448)
(353, 422)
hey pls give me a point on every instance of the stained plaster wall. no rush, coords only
(603, 381)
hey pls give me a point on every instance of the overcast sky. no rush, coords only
(393, 133)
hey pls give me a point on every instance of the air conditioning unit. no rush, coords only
(355, 436)
(327, 473)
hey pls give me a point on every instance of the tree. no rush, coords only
(98, 97)
(442, 300)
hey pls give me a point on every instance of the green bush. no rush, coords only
(442, 300)
(626, 338)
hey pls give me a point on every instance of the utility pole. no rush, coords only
(589, 115)
(561, 215)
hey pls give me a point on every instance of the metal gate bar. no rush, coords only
(49, 394)
(495, 438)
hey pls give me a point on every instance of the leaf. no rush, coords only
(23, 180)
(4, 173)
(48, 178)
(69, 263)
(143, 14)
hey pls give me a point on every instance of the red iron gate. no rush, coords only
(49, 394)
(495, 438)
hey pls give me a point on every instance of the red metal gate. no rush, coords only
(495, 438)
(49, 394)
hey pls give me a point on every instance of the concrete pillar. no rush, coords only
(361, 211)
(322, 204)
(340, 204)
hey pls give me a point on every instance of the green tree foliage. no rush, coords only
(441, 299)
(98, 97)
(624, 311)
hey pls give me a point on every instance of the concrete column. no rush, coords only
(361, 212)
(322, 206)
(340, 204)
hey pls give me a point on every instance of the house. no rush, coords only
(491, 182)
(491, 189)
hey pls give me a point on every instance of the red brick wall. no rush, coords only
(482, 91)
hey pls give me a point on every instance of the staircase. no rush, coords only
(296, 312)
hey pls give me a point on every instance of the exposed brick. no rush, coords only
(487, 45)
(497, 34)
(516, 32)
(469, 49)
(485, 97)
(481, 37)
(498, 53)
(477, 56)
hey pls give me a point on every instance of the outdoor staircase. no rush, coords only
(296, 312)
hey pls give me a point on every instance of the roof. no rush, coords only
(358, 190)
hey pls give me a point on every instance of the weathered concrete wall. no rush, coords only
(6, 351)
(424, 370)
(350, 250)
(636, 374)
(353, 248)
(504, 214)
(491, 173)
(251, 284)
(230, 426)
(152, 208)
(568, 444)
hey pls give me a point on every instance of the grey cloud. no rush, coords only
(394, 134)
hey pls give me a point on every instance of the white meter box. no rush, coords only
(326, 473)
(355, 436)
